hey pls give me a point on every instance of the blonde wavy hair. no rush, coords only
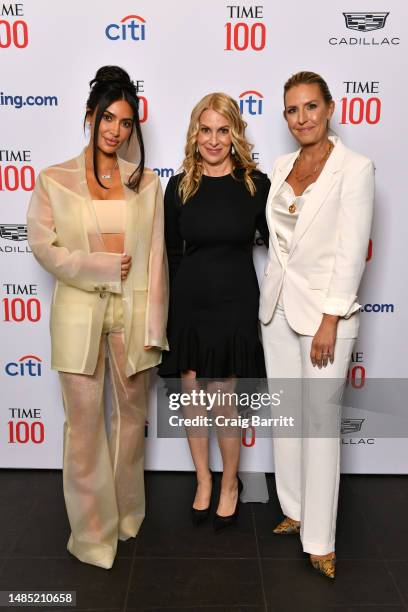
(192, 165)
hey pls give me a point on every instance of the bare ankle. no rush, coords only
(230, 484)
(204, 478)
(330, 555)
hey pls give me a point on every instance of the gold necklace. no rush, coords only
(292, 208)
(301, 179)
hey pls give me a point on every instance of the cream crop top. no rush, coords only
(111, 216)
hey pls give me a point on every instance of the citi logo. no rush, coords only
(251, 101)
(29, 365)
(365, 22)
(131, 27)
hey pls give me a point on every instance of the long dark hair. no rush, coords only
(112, 83)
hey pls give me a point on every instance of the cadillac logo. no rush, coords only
(365, 22)
(13, 232)
(351, 425)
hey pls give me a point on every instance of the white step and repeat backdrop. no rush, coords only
(178, 52)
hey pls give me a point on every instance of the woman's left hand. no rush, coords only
(147, 347)
(322, 349)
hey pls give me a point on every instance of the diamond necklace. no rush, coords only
(109, 176)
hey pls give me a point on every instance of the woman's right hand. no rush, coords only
(126, 262)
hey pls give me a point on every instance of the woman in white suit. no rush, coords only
(95, 222)
(319, 214)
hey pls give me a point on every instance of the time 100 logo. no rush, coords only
(240, 35)
(21, 303)
(25, 426)
(356, 109)
(13, 33)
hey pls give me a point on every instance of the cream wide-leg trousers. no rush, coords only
(307, 468)
(103, 473)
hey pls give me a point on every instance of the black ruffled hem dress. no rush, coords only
(214, 293)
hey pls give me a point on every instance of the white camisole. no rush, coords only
(284, 221)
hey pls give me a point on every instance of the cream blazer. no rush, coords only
(64, 236)
(329, 245)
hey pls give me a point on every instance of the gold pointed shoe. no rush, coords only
(325, 567)
(287, 527)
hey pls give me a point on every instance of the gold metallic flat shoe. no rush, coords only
(326, 567)
(287, 527)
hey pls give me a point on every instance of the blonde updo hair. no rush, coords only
(306, 77)
(241, 159)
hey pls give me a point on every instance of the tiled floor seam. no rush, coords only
(363, 605)
(259, 559)
(129, 582)
(206, 607)
(400, 594)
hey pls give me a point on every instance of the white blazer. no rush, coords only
(329, 245)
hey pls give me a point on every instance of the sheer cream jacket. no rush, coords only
(329, 245)
(64, 236)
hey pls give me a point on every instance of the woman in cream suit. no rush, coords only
(96, 223)
(319, 214)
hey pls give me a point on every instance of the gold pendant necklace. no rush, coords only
(292, 208)
(301, 179)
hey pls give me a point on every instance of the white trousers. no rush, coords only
(307, 468)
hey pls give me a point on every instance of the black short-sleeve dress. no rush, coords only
(214, 293)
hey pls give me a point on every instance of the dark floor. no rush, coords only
(173, 565)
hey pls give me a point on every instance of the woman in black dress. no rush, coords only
(212, 210)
